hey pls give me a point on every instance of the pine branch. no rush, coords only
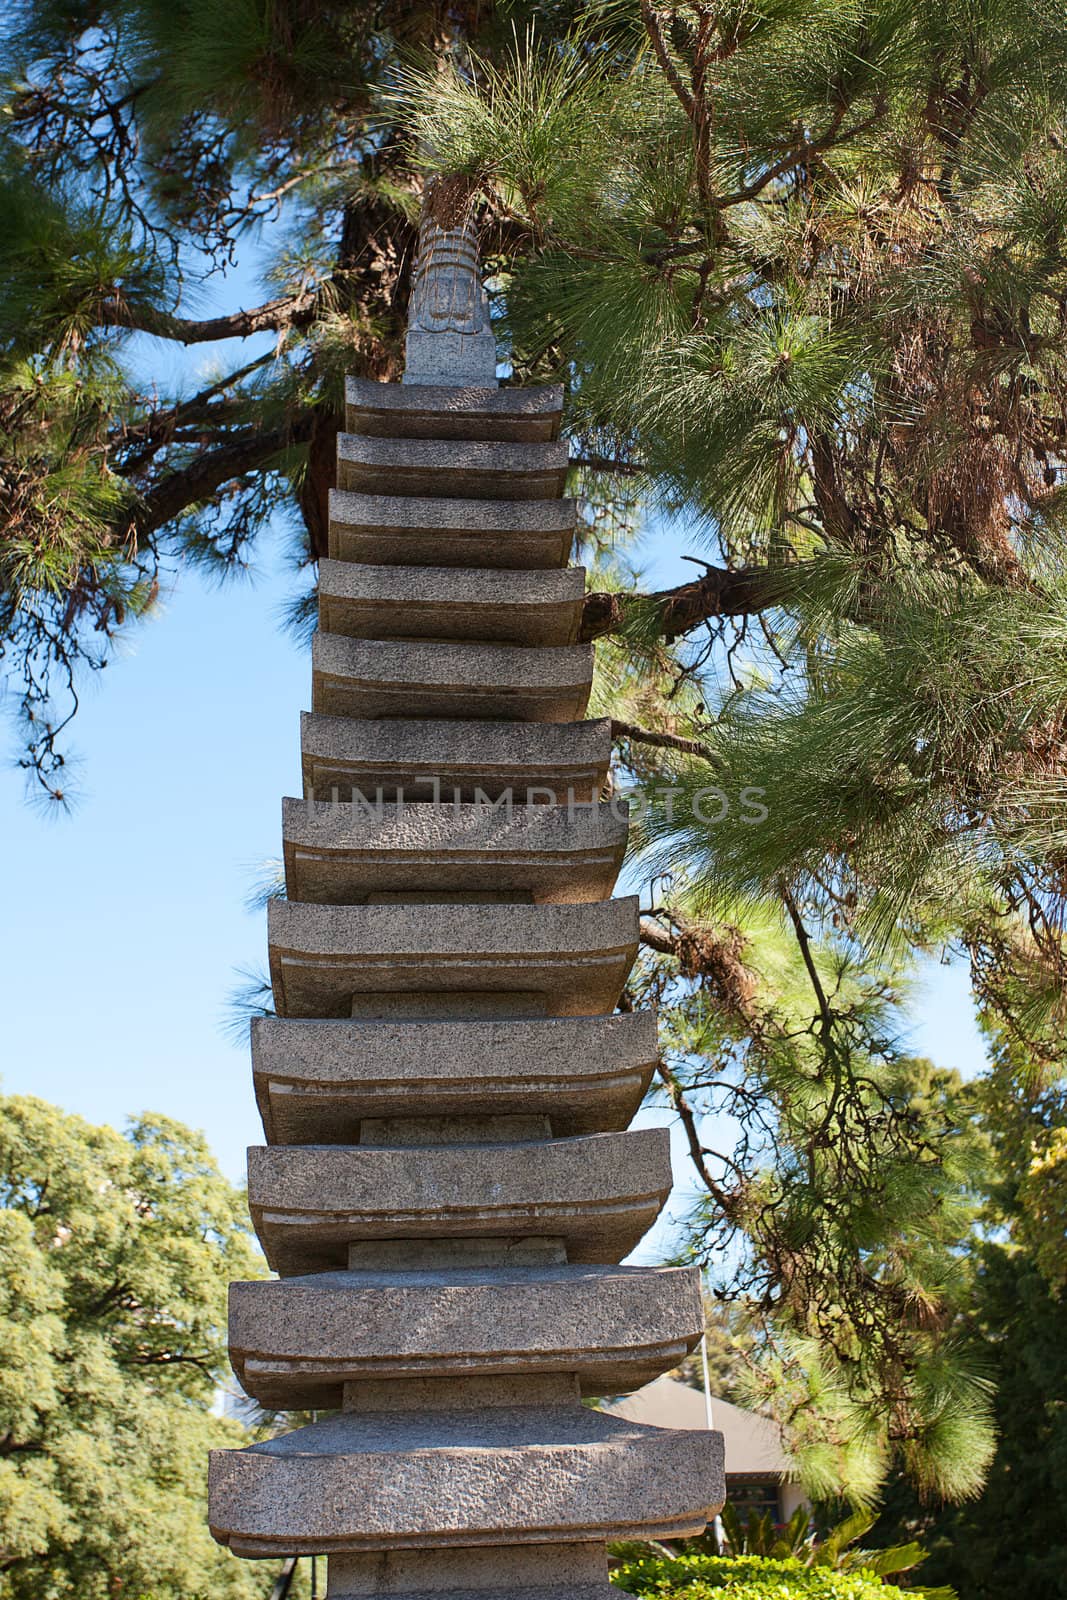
(794, 157)
(721, 592)
(826, 1016)
(662, 741)
(289, 311)
(697, 1151)
(188, 486)
(835, 512)
(655, 937)
(669, 70)
(157, 428)
(625, 469)
(713, 956)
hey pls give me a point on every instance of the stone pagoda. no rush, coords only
(448, 1185)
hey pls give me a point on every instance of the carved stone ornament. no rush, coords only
(450, 337)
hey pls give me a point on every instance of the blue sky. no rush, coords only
(124, 922)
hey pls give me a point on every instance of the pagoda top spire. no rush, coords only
(450, 337)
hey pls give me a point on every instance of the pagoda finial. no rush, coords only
(450, 337)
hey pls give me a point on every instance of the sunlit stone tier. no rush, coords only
(523, 608)
(408, 530)
(444, 411)
(386, 678)
(598, 1194)
(296, 1342)
(316, 1082)
(463, 960)
(504, 1474)
(539, 762)
(467, 469)
(341, 854)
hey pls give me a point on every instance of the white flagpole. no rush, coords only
(707, 1378)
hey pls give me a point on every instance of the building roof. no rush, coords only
(753, 1443)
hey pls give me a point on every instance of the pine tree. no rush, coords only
(802, 270)
(802, 267)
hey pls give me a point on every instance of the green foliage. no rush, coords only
(804, 264)
(840, 1185)
(760, 1536)
(58, 262)
(114, 1261)
(870, 764)
(1013, 1533)
(749, 1578)
(1043, 1205)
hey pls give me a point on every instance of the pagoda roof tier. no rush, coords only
(415, 678)
(482, 603)
(475, 469)
(342, 854)
(446, 411)
(545, 760)
(316, 1082)
(441, 960)
(428, 531)
(295, 1342)
(504, 1475)
(599, 1194)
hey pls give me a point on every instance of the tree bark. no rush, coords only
(289, 311)
(374, 264)
(177, 491)
(721, 592)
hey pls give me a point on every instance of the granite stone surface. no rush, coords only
(429, 411)
(468, 469)
(539, 762)
(450, 338)
(317, 1081)
(533, 1572)
(600, 1193)
(455, 532)
(386, 678)
(342, 854)
(573, 960)
(490, 604)
(296, 1342)
(498, 1475)
(538, 1572)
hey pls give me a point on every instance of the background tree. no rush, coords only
(116, 1253)
(1013, 1322)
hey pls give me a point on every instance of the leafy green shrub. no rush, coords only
(839, 1547)
(697, 1577)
